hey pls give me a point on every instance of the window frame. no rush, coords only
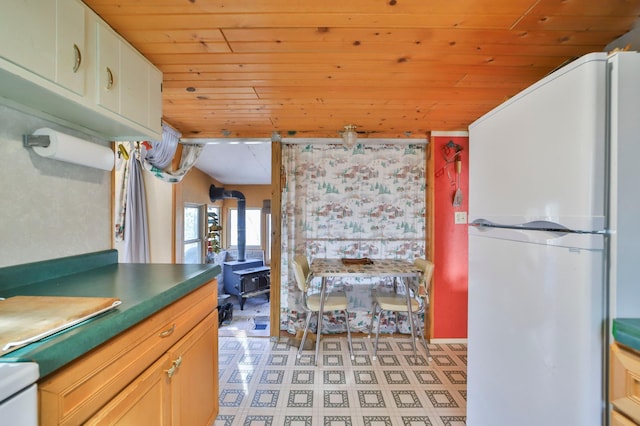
(200, 226)
(266, 217)
(234, 235)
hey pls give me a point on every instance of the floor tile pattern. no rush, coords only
(262, 382)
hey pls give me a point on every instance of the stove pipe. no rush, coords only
(216, 194)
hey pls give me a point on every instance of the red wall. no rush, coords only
(449, 240)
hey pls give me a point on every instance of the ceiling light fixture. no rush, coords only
(349, 136)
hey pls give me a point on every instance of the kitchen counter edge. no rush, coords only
(143, 288)
(627, 332)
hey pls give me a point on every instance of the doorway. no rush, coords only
(244, 295)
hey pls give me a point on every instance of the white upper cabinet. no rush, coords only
(60, 60)
(71, 68)
(27, 35)
(46, 38)
(127, 83)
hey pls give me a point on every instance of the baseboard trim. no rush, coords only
(445, 341)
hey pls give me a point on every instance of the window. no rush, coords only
(193, 234)
(267, 255)
(253, 227)
(214, 228)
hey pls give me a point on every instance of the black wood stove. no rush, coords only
(246, 279)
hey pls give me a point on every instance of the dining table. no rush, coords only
(325, 268)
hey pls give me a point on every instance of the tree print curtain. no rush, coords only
(366, 201)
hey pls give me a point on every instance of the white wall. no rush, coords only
(48, 209)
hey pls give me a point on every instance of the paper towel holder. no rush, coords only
(36, 140)
(60, 146)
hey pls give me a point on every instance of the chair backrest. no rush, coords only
(301, 270)
(302, 260)
(426, 267)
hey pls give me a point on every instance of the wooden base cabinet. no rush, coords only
(146, 401)
(163, 371)
(624, 386)
(176, 390)
(194, 385)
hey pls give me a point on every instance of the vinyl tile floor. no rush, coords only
(244, 322)
(263, 383)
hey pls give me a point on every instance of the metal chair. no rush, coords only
(397, 302)
(334, 301)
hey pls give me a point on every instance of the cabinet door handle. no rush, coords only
(78, 58)
(171, 371)
(109, 79)
(168, 332)
(178, 362)
(174, 367)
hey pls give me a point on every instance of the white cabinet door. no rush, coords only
(155, 99)
(28, 35)
(127, 83)
(71, 69)
(108, 68)
(134, 85)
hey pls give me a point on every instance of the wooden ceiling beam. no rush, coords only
(416, 35)
(183, 21)
(299, 59)
(352, 7)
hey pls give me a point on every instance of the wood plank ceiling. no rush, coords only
(393, 68)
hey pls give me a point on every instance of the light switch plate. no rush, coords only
(460, 218)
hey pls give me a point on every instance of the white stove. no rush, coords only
(18, 393)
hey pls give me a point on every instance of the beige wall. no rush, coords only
(159, 198)
(194, 188)
(254, 195)
(160, 218)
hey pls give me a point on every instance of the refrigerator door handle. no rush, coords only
(539, 232)
(536, 225)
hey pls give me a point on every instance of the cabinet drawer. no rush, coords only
(625, 382)
(73, 394)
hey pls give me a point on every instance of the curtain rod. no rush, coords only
(362, 141)
(228, 141)
(336, 141)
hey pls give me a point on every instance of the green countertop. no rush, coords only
(627, 332)
(143, 288)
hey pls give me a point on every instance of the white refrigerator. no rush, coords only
(554, 243)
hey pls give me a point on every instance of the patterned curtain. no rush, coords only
(366, 201)
(156, 156)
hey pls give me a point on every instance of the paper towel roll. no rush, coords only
(74, 150)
